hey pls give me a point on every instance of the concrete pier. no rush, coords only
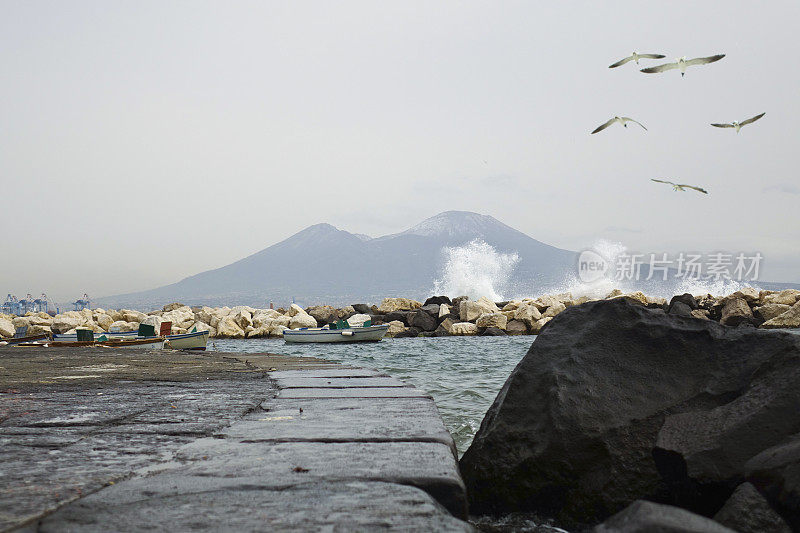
(98, 440)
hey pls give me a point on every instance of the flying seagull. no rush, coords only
(681, 187)
(682, 63)
(738, 125)
(621, 120)
(636, 56)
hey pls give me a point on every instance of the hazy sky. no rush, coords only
(141, 142)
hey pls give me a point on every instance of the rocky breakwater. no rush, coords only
(616, 403)
(435, 317)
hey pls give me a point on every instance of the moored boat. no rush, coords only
(20, 340)
(196, 340)
(148, 343)
(347, 334)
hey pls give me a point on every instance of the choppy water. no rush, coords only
(463, 374)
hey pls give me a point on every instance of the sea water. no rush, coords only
(463, 374)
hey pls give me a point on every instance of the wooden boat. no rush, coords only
(196, 340)
(347, 334)
(20, 340)
(71, 337)
(151, 343)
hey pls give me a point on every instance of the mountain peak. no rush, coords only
(454, 223)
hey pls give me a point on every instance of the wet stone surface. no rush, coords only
(72, 423)
(95, 440)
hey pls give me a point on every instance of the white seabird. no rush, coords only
(680, 187)
(636, 56)
(621, 120)
(738, 125)
(682, 64)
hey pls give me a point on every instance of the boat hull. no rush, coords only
(319, 335)
(20, 340)
(187, 341)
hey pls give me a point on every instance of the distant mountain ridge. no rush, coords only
(323, 264)
(326, 265)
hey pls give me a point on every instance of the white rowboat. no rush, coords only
(365, 334)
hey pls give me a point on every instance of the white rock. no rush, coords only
(133, 316)
(205, 314)
(36, 329)
(345, 311)
(202, 326)
(528, 313)
(543, 302)
(104, 321)
(20, 322)
(444, 310)
(395, 327)
(277, 330)
(294, 310)
(770, 311)
(786, 297)
(302, 320)
(62, 324)
(7, 329)
(553, 310)
(262, 316)
(242, 317)
(121, 325)
(470, 311)
(463, 329)
(539, 324)
(358, 320)
(397, 304)
(749, 294)
(492, 320)
(228, 328)
(789, 319)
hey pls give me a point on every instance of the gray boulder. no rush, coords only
(422, 320)
(648, 517)
(680, 309)
(776, 474)
(746, 511)
(573, 430)
(438, 300)
(686, 299)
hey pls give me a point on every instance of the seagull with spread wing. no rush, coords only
(738, 125)
(680, 187)
(636, 56)
(682, 64)
(622, 120)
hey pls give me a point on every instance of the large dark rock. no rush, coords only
(378, 319)
(702, 453)
(401, 316)
(438, 300)
(410, 332)
(680, 309)
(431, 309)
(648, 517)
(422, 320)
(686, 299)
(735, 311)
(443, 329)
(776, 473)
(362, 308)
(493, 332)
(573, 431)
(746, 511)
